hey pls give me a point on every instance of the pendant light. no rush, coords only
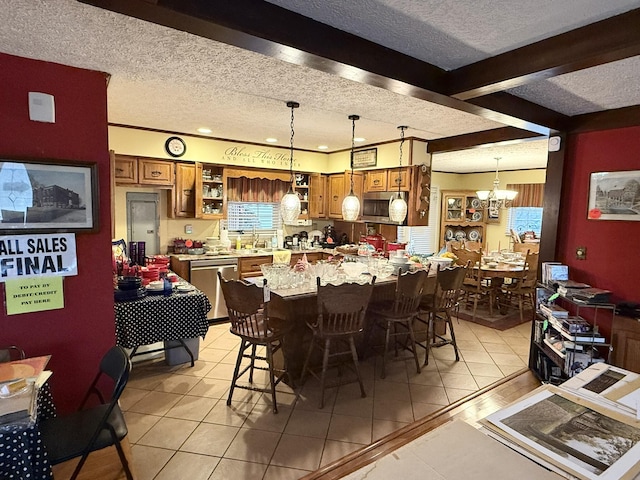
(398, 207)
(351, 203)
(496, 198)
(290, 203)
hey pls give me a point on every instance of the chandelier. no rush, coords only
(351, 203)
(398, 207)
(496, 198)
(290, 203)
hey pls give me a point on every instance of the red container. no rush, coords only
(392, 246)
(376, 240)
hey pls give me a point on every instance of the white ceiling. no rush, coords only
(174, 81)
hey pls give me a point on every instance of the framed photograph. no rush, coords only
(47, 196)
(493, 212)
(614, 196)
(576, 435)
(365, 158)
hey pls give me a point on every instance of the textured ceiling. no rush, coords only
(174, 81)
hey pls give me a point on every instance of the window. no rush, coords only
(422, 240)
(524, 219)
(245, 216)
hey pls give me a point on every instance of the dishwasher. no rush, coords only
(204, 276)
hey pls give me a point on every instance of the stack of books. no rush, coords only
(554, 272)
(567, 288)
(576, 336)
(551, 310)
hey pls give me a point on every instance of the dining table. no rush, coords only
(498, 274)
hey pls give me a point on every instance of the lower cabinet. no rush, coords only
(626, 343)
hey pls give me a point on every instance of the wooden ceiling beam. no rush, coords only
(606, 120)
(484, 138)
(606, 41)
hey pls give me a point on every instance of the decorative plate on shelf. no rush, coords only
(448, 234)
(476, 217)
(460, 235)
(473, 235)
(475, 203)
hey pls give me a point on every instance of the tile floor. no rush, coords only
(180, 425)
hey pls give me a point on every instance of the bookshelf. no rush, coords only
(560, 346)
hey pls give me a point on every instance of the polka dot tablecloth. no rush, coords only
(158, 318)
(22, 454)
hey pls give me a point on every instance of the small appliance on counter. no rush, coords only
(376, 240)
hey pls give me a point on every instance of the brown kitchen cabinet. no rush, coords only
(210, 191)
(625, 343)
(318, 196)
(131, 170)
(463, 217)
(302, 188)
(126, 169)
(250, 266)
(182, 198)
(339, 187)
(375, 181)
(399, 176)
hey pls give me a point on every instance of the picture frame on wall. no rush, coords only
(48, 196)
(614, 196)
(493, 211)
(365, 158)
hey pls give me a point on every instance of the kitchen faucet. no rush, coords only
(254, 237)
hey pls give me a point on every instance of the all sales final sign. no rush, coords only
(25, 256)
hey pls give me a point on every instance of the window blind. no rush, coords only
(245, 216)
(423, 240)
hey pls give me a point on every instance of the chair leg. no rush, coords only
(453, 337)
(354, 354)
(272, 381)
(253, 361)
(413, 343)
(236, 370)
(428, 343)
(325, 366)
(475, 306)
(76, 472)
(123, 459)
(521, 306)
(306, 361)
(386, 347)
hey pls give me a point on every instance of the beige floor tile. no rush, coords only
(263, 418)
(131, 396)
(210, 439)
(498, 347)
(191, 407)
(283, 473)
(229, 469)
(211, 387)
(168, 433)
(223, 371)
(138, 424)
(200, 368)
(212, 354)
(253, 445)
(489, 336)
(155, 403)
(428, 394)
(143, 380)
(472, 344)
(421, 410)
(177, 384)
(298, 452)
(394, 411)
(485, 381)
(227, 342)
(309, 398)
(396, 370)
(451, 366)
(148, 461)
(233, 415)
(345, 428)
(427, 377)
(507, 359)
(382, 428)
(509, 369)
(445, 352)
(476, 356)
(456, 394)
(455, 380)
(308, 423)
(188, 465)
(334, 450)
(391, 391)
(350, 402)
(485, 370)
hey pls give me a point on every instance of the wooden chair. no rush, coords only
(95, 428)
(341, 314)
(250, 320)
(474, 246)
(526, 247)
(400, 314)
(523, 288)
(443, 303)
(451, 244)
(10, 353)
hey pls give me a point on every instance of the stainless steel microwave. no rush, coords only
(375, 206)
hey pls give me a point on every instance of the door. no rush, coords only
(143, 220)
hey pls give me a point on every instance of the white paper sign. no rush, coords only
(50, 254)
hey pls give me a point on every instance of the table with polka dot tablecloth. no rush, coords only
(22, 453)
(158, 318)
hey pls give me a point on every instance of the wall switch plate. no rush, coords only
(581, 253)
(42, 107)
(188, 229)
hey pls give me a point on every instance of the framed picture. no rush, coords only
(614, 196)
(493, 212)
(365, 158)
(42, 195)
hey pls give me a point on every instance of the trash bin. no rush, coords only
(178, 355)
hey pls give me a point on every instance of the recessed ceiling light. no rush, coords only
(322, 147)
(359, 139)
(204, 130)
(271, 140)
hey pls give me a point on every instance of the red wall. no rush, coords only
(612, 259)
(78, 335)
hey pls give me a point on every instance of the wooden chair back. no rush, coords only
(342, 308)
(475, 246)
(409, 289)
(248, 311)
(526, 247)
(467, 256)
(451, 244)
(449, 283)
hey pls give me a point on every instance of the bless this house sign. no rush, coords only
(37, 255)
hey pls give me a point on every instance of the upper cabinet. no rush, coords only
(462, 217)
(301, 187)
(375, 181)
(210, 191)
(318, 196)
(143, 171)
(183, 197)
(399, 178)
(340, 187)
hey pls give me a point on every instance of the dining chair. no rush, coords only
(340, 317)
(526, 247)
(250, 320)
(440, 307)
(10, 353)
(523, 286)
(94, 428)
(400, 314)
(474, 246)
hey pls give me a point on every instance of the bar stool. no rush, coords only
(250, 320)
(341, 314)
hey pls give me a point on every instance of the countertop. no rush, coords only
(260, 252)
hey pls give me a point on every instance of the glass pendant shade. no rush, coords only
(290, 207)
(350, 208)
(398, 209)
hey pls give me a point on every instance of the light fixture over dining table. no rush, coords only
(290, 203)
(351, 203)
(398, 207)
(496, 198)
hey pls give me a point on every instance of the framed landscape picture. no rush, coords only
(614, 196)
(47, 196)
